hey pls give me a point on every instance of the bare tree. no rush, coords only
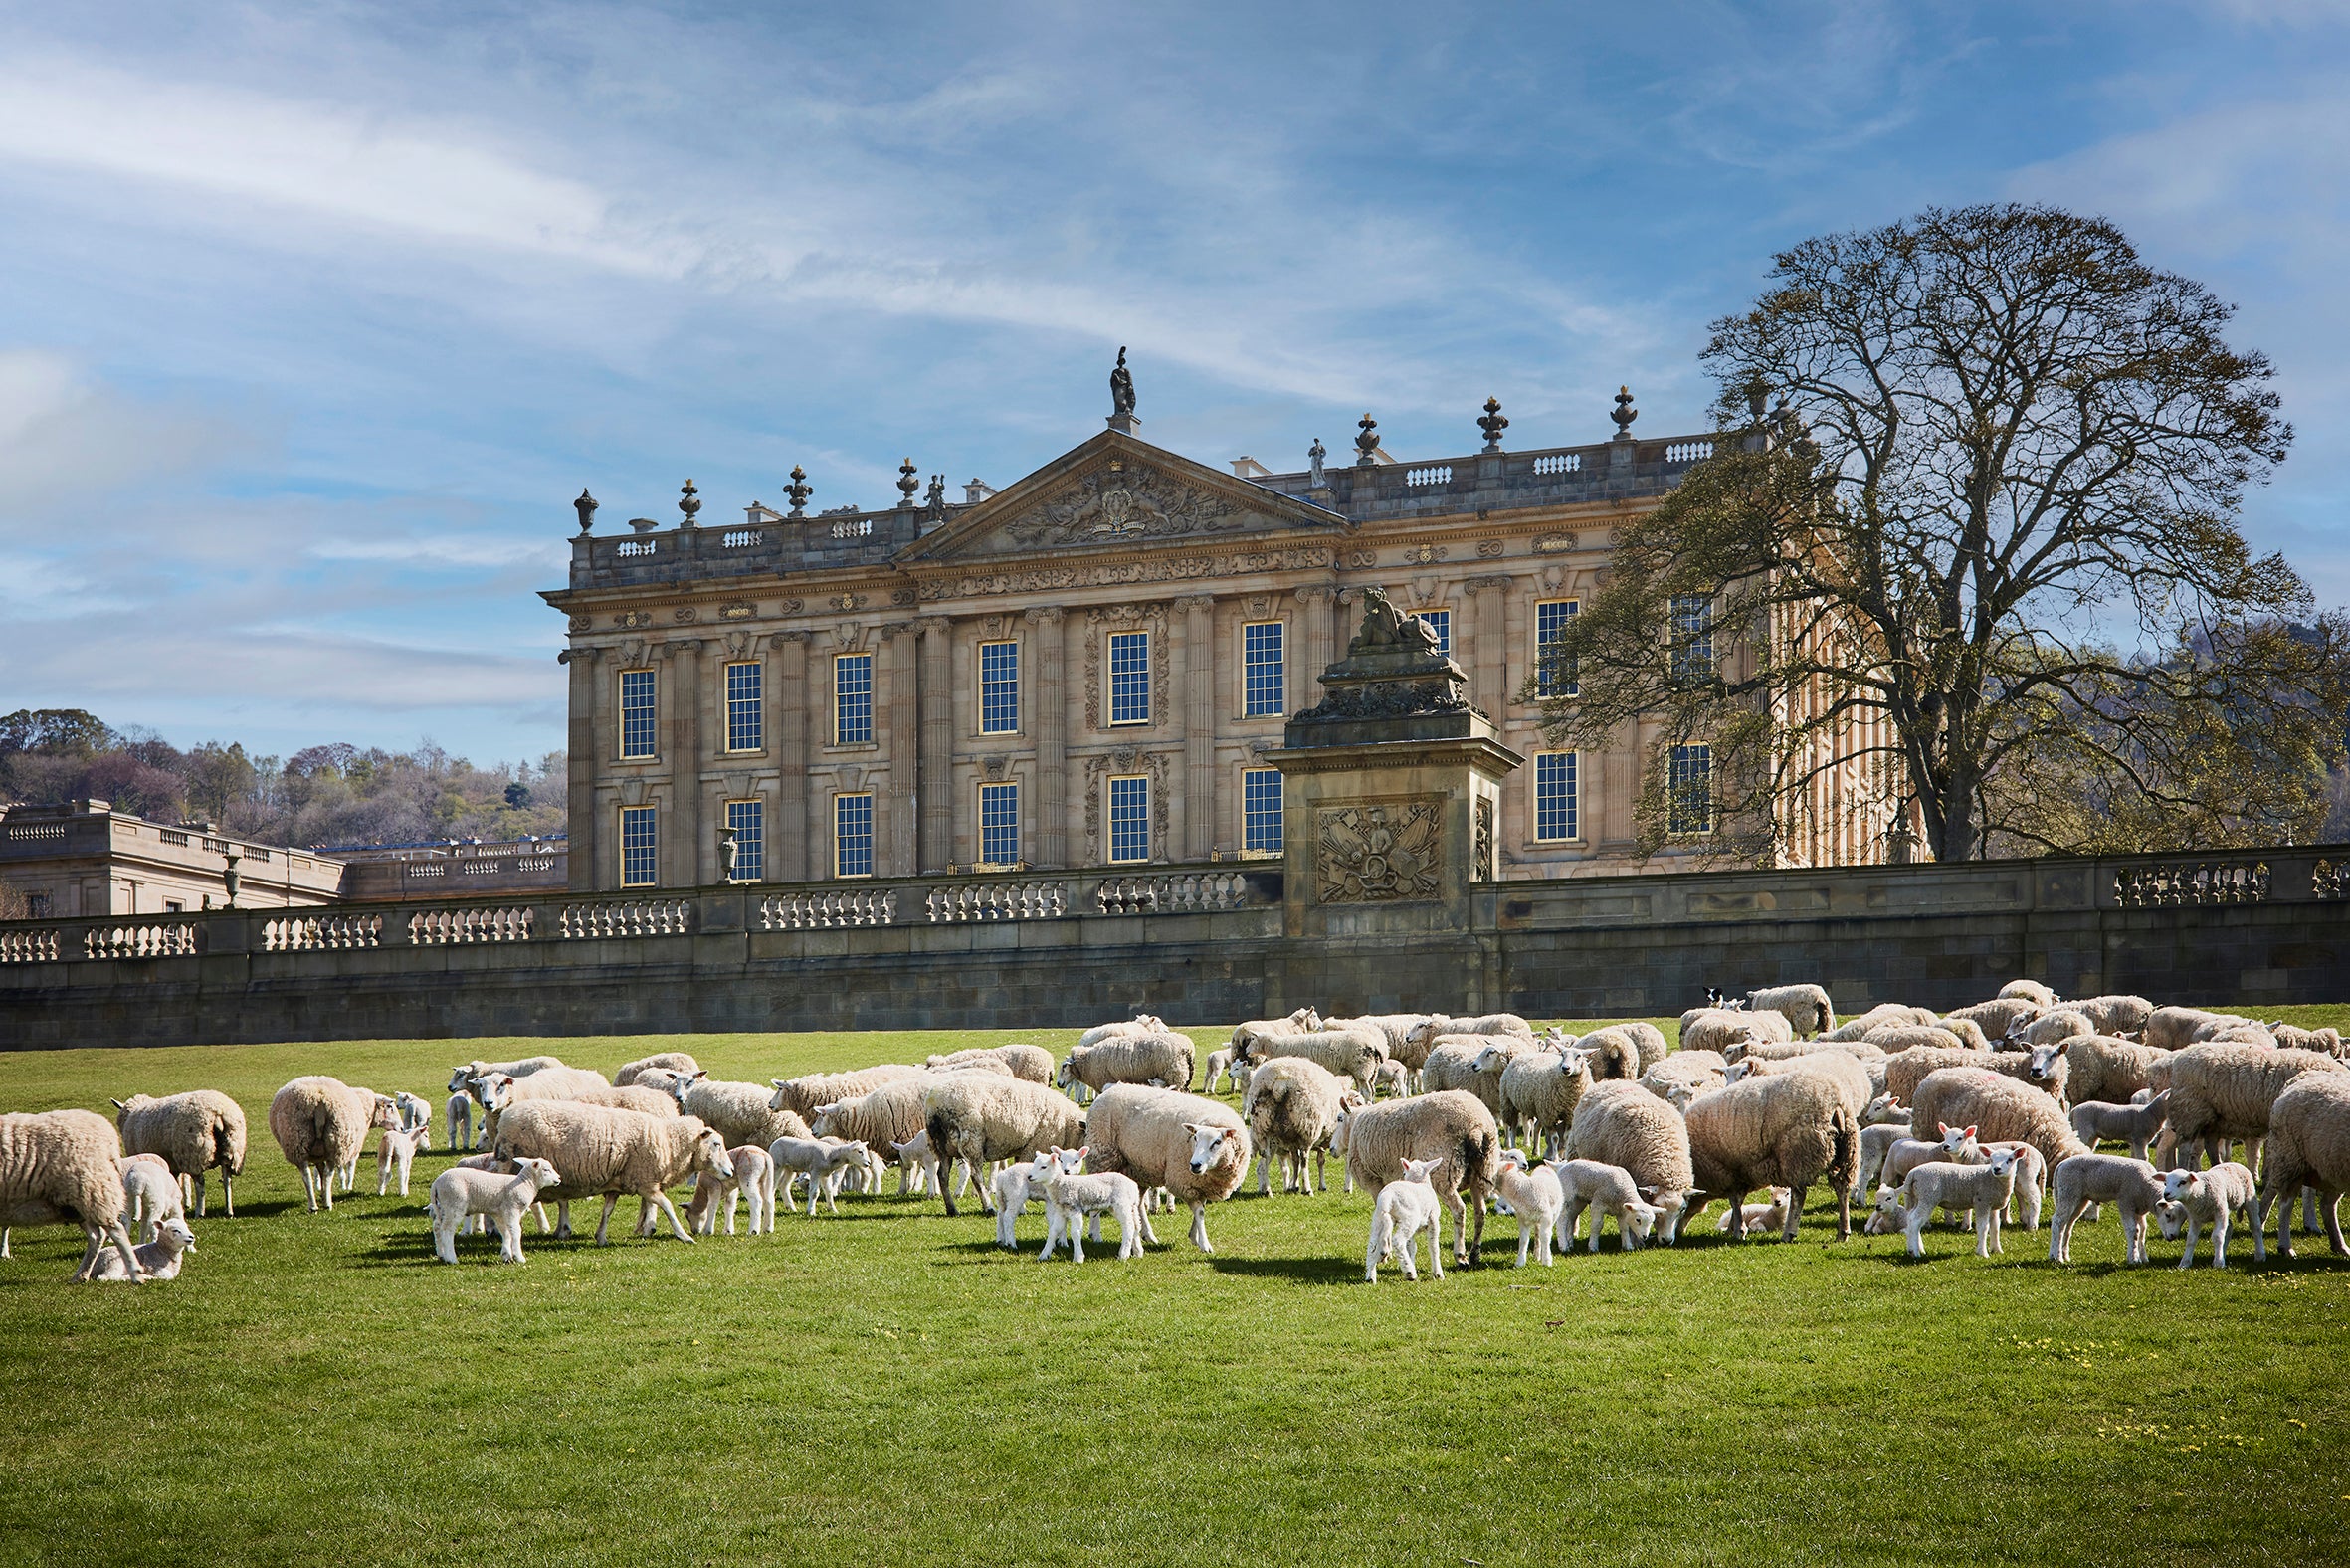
(2020, 452)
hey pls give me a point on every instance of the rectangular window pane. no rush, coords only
(1690, 790)
(1260, 809)
(1129, 678)
(1554, 795)
(748, 818)
(852, 699)
(1262, 669)
(1441, 622)
(1553, 675)
(999, 689)
(1693, 637)
(746, 716)
(1129, 819)
(639, 866)
(636, 713)
(999, 823)
(853, 835)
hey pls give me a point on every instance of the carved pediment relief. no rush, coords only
(1121, 501)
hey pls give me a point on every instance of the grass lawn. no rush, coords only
(887, 1387)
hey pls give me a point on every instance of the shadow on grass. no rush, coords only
(1303, 1271)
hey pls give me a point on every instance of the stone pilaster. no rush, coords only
(934, 805)
(787, 733)
(1199, 725)
(1488, 644)
(1314, 611)
(894, 834)
(682, 846)
(587, 668)
(1049, 816)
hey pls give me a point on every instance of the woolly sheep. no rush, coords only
(1224, 1072)
(498, 1092)
(740, 1112)
(889, 1118)
(1901, 1040)
(2114, 1014)
(321, 1124)
(490, 1162)
(396, 1152)
(1783, 1130)
(2004, 1109)
(150, 1193)
(1714, 1029)
(753, 1178)
(2308, 1146)
(980, 1118)
(1613, 1053)
(1847, 1073)
(614, 1152)
(680, 1062)
(1405, 1210)
(2224, 1091)
(2134, 1125)
(2029, 991)
(415, 1114)
(1146, 1024)
(1876, 1141)
(463, 1074)
(1986, 1189)
(2052, 1029)
(1072, 1200)
(1532, 1195)
(2192, 1200)
(801, 1095)
(2175, 1027)
(1435, 1025)
(2134, 1186)
(2100, 1067)
(1996, 1019)
(1453, 1063)
(639, 1096)
(1908, 1069)
(822, 1161)
(1349, 1053)
(1292, 1107)
(193, 1132)
(1886, 1015)
(1393, 1027)
(2294, 1038)
(1195, 1148)
(1539, 1091)
(1696, 1071)
(1606, 1190)
(1626, 1125)
(1451, 1127)
(1168, 1061)
(58, 1167)
(1805, 1007)
(158, 1257)
(1033, 1062)
(504, 1197)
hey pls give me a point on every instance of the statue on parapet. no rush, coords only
(1121, 388)
(1385, 627)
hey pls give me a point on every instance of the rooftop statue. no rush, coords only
(1121, 387)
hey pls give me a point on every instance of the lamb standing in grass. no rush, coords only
(822, 1161)
(151, 1192)
(61, 1168)
(1624, 1125)
(2192, 1200)
(1534, 1198)
(321, 1124)
(503, 1197)
(1787, 1129)
(1987, 1189)
(1405, 1210)
(193, 1132)
(460, 1121)
(2134, 1186)
(1607, 1191)
(1451, 1125)
(753, 1178)
(2134, 1126)
(1072, 1201)
(980, 1118)
(397, 1152)
(1195, 1148)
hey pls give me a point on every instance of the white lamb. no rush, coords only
(1536, 1198)
(1605, 1190)
(459, 1193)
(1012, 1187)
(153, 1193)
(396, 1152)
(822, 1161)
(2134, 1186)
(460, 1121)
(1406, 1209)
(2213, 1198)
(1984, 1188)
(753, 1178)
(1073, 1201)
(157, 1258)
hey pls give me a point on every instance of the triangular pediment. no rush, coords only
(1117, 493)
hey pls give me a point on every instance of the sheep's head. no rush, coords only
(2170, 1215)
(709, 1155)
(1734, 1052)
(1491, 1059)
(2004, 1162)
(1070, 1161)
(2177, 1185)
(1737, 1072)
(1882, 1110)
(176, 1229)
(1574, 1062)
(385, 1114)
(1421, 1034)
(1212, 1146)
(494, 1089)
(1959, 1143)
(2043, 1064)
(1638, 1220)
(1680, 1096)
(1889, 1214)
(542, 1175)
(1420, 1170)
(458, 1077)
(779, 1100)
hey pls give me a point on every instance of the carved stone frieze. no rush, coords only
(1380, 853)
(1389, 700)
(734, 612)
(1119, 503)
(1110, 574)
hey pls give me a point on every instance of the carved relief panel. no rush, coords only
(1380, 853)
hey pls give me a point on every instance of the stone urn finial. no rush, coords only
(1624, 414)
(798, 491)
(688, 501)
(586, 508)
(1367, 442)
(1493, 424)
(908, 481)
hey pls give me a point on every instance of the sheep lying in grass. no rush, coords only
(2132, 1186)
(1986, 1189)
(2192, 1200)
(1195, 1148)
(321, 1124)
(1405, 1210)
(979, 1119)
(2135, 1126)
(503, 1197)
(1073, 1201)
(753, 1178)
(151, 1193)
(2308, 1146)
(61, 1168)
(1758, 1215)
(1534, 1198)
(158, 1257)
(1606, 1190)
(822, 1161)
(1450, 1125)
(192, 1132)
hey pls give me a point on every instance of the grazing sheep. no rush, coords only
(2134, 1125)
(1164, 1059)
(2029, 991)
(679, 1062)
(2175, 1027)
(461, 1076)
(321, 1124)
(2196, 1199)
(801, 1095)
(980, 1118)
(1534, 1198)
(2308, 1146)
(1715, 1028)
(1986, 1189)
(2114, 1014)
(1626, 1125)
(1539, 1091)
(1071, 1201)
(2005, 1109)
(2134, 1186)
(62, 1167)
(1033, 1062)
(1405, 1209)
(614, 1152)
(1453, 1063)
(2223, 1091)
(822, 1161)
(193, 1132)
(1783, 1130)
(150, 1191)
(1996, 1019)
(1195, 1148)
(753, 1178)
(1886, 1015)
(2051, 1028)
(1693, 1072)
(1451, 1126)
(1605, 1190)
(1349, 1053)
(460, 1121)
(397, 1152)
(158, 1257)
(2102, 1067)
(889, 1118)
(502, 1197)
(1146, 1024)
(1805, 1007)
(1292, 1107)
(500, 1091)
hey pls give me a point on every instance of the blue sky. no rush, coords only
(313, 318)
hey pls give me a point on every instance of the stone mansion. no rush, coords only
(1087, 667)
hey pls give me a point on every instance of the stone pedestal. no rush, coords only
(1391, 790)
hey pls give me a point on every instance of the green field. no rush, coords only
(887, 1387)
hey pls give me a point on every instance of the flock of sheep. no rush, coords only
(1971, 1113)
